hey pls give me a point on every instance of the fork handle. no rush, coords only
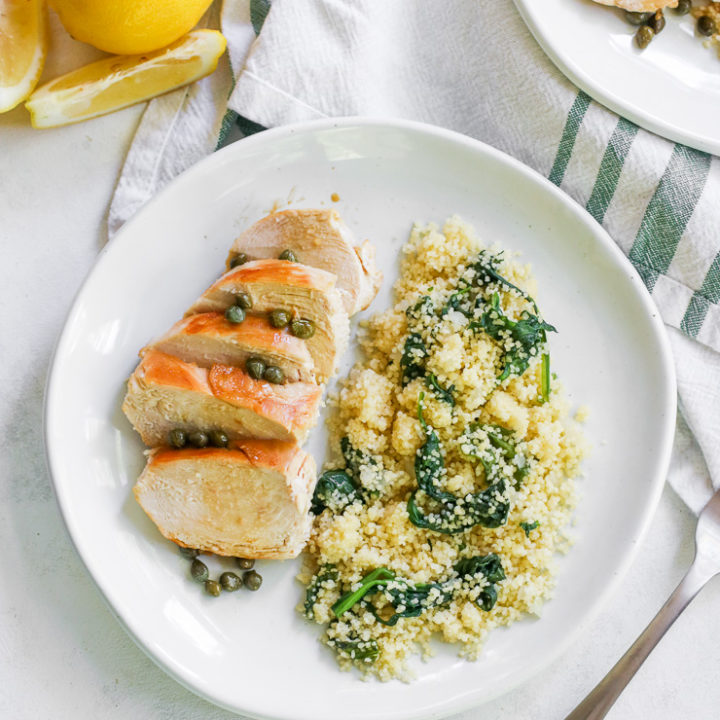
(600, 700)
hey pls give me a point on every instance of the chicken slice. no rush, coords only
(249, 501)
(321, 239)
(640, 5)
(165, 393)
(208, 339)
(306, 292)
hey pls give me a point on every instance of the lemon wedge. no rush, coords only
(23, 45)
(123, 80)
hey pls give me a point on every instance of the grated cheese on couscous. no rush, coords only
(452, 483)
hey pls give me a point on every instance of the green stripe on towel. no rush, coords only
(610, 168)
(259, 10)
(567, 141)
(708, 293)
(670, 208)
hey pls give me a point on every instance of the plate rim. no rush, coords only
(623, 108)
(468, 700)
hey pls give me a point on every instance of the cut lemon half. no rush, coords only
(123, 80)
(23, 45)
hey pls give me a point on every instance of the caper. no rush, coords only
(302, 328)
(177, 438)
(255, 367)
(274, 374)
(657, 22)
(189, 552)
(288, 255)
(683, 7)
(643, 36)
(245, 563)
(218, 438)
(239, 259)
(212, 587)
(235, 314)
(252, 580)
(230, 581)
(244, 301)
(198, 439)
(199, 571)
(280, 318)
(637, 18)
(706, 26)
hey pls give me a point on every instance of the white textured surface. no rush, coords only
(62, 654)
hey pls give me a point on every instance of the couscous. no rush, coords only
(451, 484)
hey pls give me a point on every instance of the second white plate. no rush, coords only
(671, 88)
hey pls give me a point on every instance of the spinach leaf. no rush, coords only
(523, 338)
(529, 527)
(335, 490)
(355, 649)
(451, 514)
(379, 576)
(413, 358)
(325, 573)
(486, 267)
(500, 449)
(440, 392)
(409, 599)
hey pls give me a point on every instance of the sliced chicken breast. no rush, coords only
(165, 393)
(208, 339)
(304, 291)
(321, 239)
(640, 5)
(249, 501)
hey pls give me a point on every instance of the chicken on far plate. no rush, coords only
(640, 5)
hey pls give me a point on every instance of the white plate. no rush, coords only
(253, 653)
(671, 88)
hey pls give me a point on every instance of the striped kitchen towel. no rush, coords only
(472, 66)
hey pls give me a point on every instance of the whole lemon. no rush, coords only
(129, 27)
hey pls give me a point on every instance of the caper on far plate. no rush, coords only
(706, 26)
(288, 255)
(683, 7)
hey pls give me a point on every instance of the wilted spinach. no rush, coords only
(410, 599)
(451, 514)
(338, 488)
(325, 573)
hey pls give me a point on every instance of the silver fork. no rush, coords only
(705, 565)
